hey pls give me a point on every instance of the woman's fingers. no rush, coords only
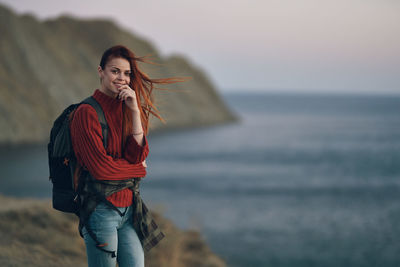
(126, 93)
(129, 96)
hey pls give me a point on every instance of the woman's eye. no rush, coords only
(114, 71)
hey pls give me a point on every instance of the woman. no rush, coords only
(125, 97)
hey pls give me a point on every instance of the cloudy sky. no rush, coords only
(266, 45)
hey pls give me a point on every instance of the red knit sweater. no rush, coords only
(89, 150)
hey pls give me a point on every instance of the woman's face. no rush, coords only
(115, 74)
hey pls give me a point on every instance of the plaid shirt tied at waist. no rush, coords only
(95, 191)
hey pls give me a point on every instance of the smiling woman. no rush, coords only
(110, 223)
(117, 72)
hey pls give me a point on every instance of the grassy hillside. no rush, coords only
(34, 234)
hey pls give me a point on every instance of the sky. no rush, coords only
(343, 46)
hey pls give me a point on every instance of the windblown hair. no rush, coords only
(141, 83)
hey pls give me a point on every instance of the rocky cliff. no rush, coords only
(47, 65)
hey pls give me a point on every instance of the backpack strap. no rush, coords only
(102, 119)
(104, 130)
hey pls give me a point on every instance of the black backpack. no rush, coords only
(62, 160)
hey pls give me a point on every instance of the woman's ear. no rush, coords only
(100, 71)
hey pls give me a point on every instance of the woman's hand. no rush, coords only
(128, 95)
(144, 163)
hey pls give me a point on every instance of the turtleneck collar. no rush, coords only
(106, 101)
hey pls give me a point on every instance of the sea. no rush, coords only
(301, 179)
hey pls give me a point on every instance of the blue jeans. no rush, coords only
(120, 236)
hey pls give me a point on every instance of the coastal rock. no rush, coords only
(47, 65)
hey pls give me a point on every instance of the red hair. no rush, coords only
(141, 83)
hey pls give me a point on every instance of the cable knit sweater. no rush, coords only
(87, 142)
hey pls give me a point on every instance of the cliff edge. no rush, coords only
(34, 234)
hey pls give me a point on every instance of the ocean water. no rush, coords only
(300, 180)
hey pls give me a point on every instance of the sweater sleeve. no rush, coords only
(135, 153)
(88, 146)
